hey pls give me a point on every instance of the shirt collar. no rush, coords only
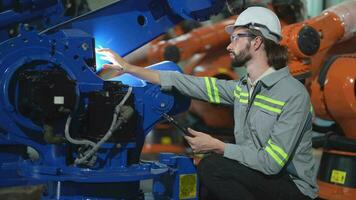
(270, 78)
(273, 78)
(270, 70)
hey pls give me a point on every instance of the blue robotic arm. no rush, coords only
(43, 13)
(89, 132)
(127, 25)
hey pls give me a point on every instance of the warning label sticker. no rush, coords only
(338, 176)
(187, 186)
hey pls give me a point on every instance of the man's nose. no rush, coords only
(229, 48)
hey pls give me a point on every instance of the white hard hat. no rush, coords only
(261, 19)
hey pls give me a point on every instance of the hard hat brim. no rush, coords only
(230, 28)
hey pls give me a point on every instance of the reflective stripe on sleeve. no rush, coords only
(278, 149)
(276, 153)
(274, 156)
(216, 90)
(208, 89)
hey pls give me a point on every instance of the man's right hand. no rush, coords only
(118, 63)
(121, 66)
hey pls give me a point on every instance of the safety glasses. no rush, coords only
(235, 37)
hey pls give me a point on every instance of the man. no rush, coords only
(272, 157)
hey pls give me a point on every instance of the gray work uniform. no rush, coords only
(268, 125)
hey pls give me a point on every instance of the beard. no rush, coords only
(241, 58)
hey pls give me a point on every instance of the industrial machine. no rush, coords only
(37, 14)
(41, 13)
(326, 45)
(87, 132)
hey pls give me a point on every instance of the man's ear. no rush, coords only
(257, 43)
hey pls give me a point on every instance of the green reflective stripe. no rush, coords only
(216, 90)
(236, 94)
(269, 108)
(278, 149)
(243, 101)
(280, 103)
(238, 88)
(311, 109)
(208, 89)
(244, 94)
(274, 156)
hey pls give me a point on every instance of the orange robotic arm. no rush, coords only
(332, 84)
(315, 36)
(199, 40)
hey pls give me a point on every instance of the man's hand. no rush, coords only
(118, 63)
(121, 66)
(201, 142)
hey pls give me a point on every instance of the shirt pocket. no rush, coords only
(262, 124)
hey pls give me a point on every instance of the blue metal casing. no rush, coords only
(68, 50)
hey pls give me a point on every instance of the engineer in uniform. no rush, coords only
(272, 157)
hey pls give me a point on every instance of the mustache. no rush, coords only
(232, 53)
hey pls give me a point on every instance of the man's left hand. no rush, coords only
(202, 142)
